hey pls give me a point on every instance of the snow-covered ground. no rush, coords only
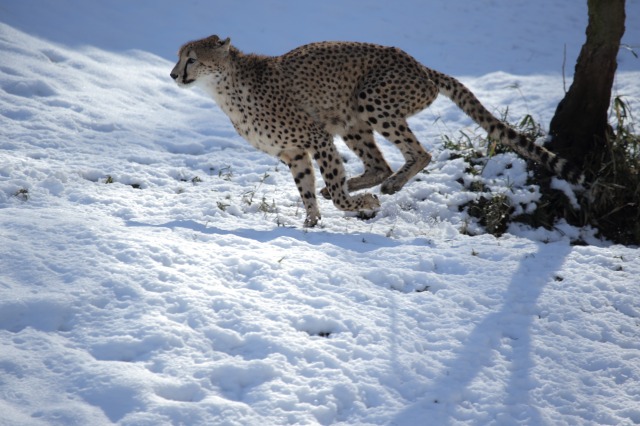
(154, 269)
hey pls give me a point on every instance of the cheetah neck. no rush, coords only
(233, 89)
(228, 86)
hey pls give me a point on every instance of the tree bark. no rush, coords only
(580, 128)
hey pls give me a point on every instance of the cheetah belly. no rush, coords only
(257, 137)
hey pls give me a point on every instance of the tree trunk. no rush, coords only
(580, 132)
(579, 128)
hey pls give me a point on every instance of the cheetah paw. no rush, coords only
(391, 186)
(369, 202)
(325, 193)
(369, 206)
(366, 215)
(311, 221)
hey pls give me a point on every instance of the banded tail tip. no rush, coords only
(573, 174)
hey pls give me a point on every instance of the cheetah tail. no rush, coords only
(502, 132)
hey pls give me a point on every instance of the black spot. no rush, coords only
(522, 141)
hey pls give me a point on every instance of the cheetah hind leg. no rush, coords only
(301, 167)
(416, 157)
(332, 170)
(360, 140)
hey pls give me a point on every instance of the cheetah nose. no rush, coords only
(173, 75)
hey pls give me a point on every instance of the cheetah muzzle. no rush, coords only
(292, 106)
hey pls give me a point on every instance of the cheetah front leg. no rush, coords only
(333, 173)
(301, 167)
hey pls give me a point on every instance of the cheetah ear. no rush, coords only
(224, 44)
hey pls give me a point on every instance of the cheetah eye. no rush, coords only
(190, 61)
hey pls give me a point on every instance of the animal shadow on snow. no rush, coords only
(358, 242)
(511, 323)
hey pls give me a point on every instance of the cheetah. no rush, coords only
(292, 106)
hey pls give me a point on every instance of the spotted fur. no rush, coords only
(291, 106)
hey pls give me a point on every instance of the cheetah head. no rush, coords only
(200, 58)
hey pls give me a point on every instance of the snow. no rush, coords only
(154, 269)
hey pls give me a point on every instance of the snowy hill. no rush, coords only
(154, 271)
(458, 37)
